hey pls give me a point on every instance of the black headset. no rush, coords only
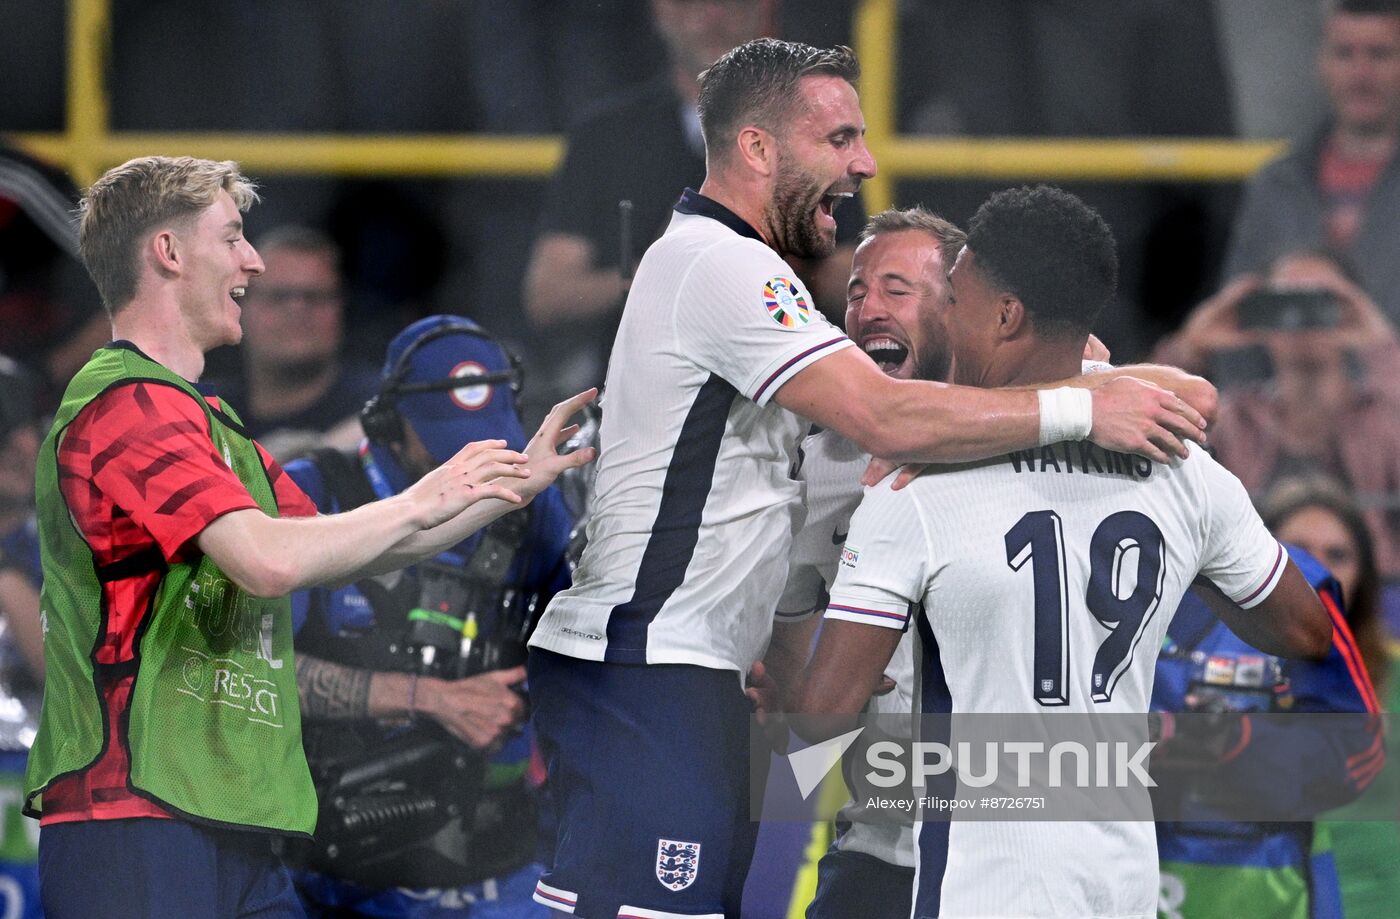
(380, 417)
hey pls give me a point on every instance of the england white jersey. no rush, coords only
(1047, 580)
(830, 472)
(830, 469)
(696, 504)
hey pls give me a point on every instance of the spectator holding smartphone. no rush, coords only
(1307, 366)
(1324, 295)
(1339, 185)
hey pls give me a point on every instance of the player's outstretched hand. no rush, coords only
(545, 461)
(1134, 416)
(482, 469)
(477, 710)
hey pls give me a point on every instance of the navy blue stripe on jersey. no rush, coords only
(692, 202)
(758, 394)
(676, 530)
(901, 618)
(935, 699)
(1278, 560)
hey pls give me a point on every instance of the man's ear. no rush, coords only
(757, 149)
(1012, 318)
(166, 252)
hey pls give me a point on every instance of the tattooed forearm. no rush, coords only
(329, 690)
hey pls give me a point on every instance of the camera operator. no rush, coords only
(1307, 367)
(1221, 856)
(408, 681)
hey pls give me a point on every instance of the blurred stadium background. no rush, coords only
(421, 134)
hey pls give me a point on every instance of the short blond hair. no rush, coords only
(132, 199)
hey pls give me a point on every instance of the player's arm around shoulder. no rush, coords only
(914, 420)
(908, 420)
(1195, 391)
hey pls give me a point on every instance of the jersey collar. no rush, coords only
(692, 202)
(204, 389)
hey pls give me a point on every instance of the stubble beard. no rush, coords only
(792, 215)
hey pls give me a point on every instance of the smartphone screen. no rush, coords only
(1289, 310)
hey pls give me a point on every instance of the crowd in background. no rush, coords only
(1308, 383)
(540, 262)
(411, 247)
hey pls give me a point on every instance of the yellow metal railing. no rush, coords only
(1116, 159)
(88, 145)
(313, 154)
(89, 42)
(875, 42)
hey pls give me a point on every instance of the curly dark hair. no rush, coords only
(1051, 251)
(756, 83)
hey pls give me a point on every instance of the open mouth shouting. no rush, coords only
(887, 352)
(829, 202)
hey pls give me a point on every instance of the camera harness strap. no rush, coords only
(495, 553)
(488, 567)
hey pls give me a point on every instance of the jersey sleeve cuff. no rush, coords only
(868, 613)
(1266, 584)
(771, 379)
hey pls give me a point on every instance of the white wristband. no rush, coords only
(1066, 413)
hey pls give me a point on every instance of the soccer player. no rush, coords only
(718, 354)
(169, 749)
(1015, 563)
(895, 314)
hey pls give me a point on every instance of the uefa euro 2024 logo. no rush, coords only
(786, 303)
